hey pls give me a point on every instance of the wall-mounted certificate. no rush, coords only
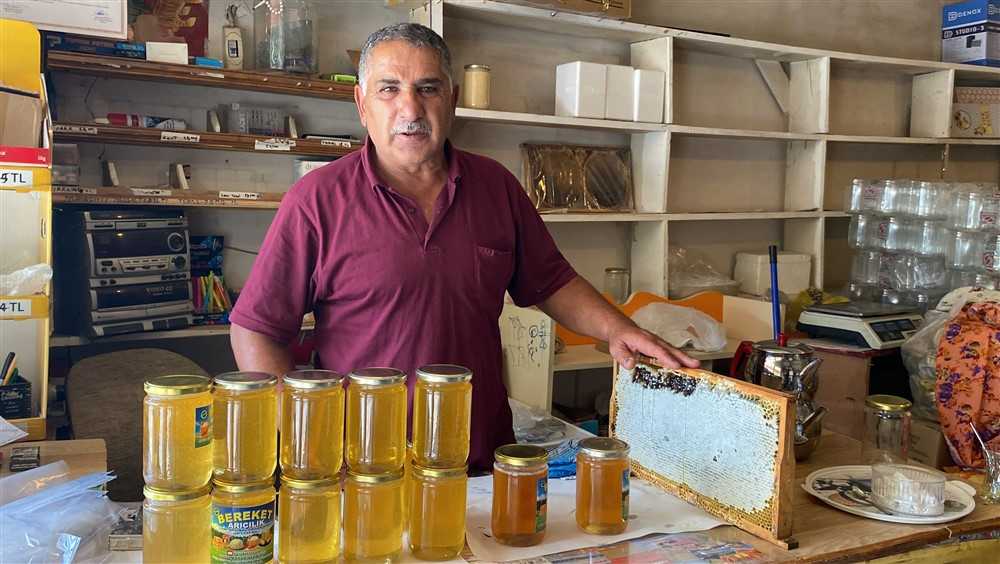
(103, 18)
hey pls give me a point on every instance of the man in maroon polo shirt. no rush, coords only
(404, 249)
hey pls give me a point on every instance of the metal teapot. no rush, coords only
(789, 368)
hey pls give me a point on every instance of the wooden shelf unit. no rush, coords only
(138, 196)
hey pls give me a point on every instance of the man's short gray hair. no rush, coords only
(414, 34)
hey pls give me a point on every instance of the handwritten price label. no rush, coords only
(15, 308)
(239, 195)
(181, 137)
(273, 145)
(74, 129)
(16, 177)
(73, 190)
(335, 143)
(151, 192)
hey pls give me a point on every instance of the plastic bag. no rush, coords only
(680, 326)
(690, 275)
(920, 357)
(25, 281)
(23, 484)
(68, 522)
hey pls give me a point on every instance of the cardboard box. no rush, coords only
(928, 445)
(176, 53)
(648, 90)
(619, 97)
(970, 32)
(975, 120)
(616, 9)
(20, 119)
(581, 89)
(753, 271)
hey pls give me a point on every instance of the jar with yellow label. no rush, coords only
(177, 433)
(246, 429)
(437, 512)
(602, 485)
(442, 414)
(520, 494)
(376, 400)
(373, 516)
(308, 521)
(312, 425)
(243, 523)
(176, 526)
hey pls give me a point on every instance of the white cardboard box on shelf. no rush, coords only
(975, 120)
(581, 89)
(753, 271)
(619, 100)
(649, 89)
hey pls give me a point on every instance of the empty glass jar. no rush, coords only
(886, 429)
(616, 284)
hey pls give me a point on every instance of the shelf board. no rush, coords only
(137, 69)
(125, 196)
(597, 217)
(92, 133)
(742, 216)
(698, 131)
(911, 140)
(538, 120)
(549, 21)
(586, 357)
(196, 331)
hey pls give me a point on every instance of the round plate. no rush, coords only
(828, 483)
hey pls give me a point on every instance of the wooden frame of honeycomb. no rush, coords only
(722, 444)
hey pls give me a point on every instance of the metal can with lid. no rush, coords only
(886, 429)
(176, 525)
(312, 425)
(177, 433)
(308, 520)
(376, 399)
(373, 516)
(437, 512)
(520, 494)
(243, 522)
(476, 90)
(442, 415)
(246, 411)
(602, 485)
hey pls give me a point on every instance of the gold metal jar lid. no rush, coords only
(886, 402)
(604, 447)
(444, 373)
(177, 385)
(310, 379)
(245, 380)
(162, 495)
(308, 484)
(478, 67)
(375, 478)
(377, 376)
(439, 472)
(521, 455)
(226, 487)
(616, 270)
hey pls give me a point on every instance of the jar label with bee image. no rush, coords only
(203, 426)
(242, 534)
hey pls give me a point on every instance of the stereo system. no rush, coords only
(121, 271)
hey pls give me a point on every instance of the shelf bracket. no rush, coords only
(777, 81)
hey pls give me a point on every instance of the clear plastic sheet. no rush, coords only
(690, 275)
(25, 281)
(575, 178)
(533, 425)
(23, 484)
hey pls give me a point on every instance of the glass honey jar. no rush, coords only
(246, 428)
(437, 512)
(176, 526)
(375, 441)
(373, 516)
(312, 425)
(308, 521)
(177, 433)
(442, 415)
(242, 523)
(602, 485)
(520, 494)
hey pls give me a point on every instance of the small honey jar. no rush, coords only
(308, 520)
(376, 399)
(373, 516)
(602, 485)
(176, 526)
(246, 443)
(177, 433)
(442, 415)
(312, 425)
(437, 512)
(242, 523)
(520, 494)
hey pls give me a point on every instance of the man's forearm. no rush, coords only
(578, 307)
(257, 353)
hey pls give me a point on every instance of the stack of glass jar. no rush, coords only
(915, 240)
(177, 469)
(245, 456)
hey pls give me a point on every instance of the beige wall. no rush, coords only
(893, 28)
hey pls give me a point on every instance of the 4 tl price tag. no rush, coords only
(15, 308)
(16, 177)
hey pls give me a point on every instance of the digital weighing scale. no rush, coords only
(866, 324)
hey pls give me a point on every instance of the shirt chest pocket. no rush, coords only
(494, 269)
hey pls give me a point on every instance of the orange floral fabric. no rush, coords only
(967, 381)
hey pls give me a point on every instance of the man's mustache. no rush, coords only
(419, 126)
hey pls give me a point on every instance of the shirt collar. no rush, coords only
(374, 180)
